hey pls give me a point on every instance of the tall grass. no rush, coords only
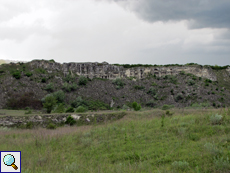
(187, 142)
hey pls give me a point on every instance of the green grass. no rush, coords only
(187, 142)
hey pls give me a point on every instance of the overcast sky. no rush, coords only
(116, 31)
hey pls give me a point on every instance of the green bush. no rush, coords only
(52, 61)
(69, 78)
(172, 92)
(136, 106)
(60, 108)
(70, 120)
(172, 79)
(59, 96)
(152, 91)
(165, 107)
(66, 87)
(49, 87)
(28, 112)
(125, 107)
(69, 109)
(17, 75)
(212, 149)
(179, 97)
(28, 74)
(29, 125)
(119, 83)
(182, 72)
(180, 165)
(80, 109)
(79, 102)
(51, 126)
(137, 87)
(208, 81)
(97, 105)
(82, 80)
(151, 103)
(43, 80)
(168, 113)
(221, 164)
(191, 82)
(154, 84)
(216, 119)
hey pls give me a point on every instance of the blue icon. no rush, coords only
(9, 160)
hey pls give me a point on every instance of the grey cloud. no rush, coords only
(199, 13)
(12, 8)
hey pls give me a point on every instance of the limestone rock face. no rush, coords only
(108, 71)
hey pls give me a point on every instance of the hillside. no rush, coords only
(104, 85)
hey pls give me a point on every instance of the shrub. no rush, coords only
(70, 120)
(97, 105)
(43, 80)
(152, 91)
(206, 84)
(168, 113)
(179, 97)
(66, 87)
(52, 61)
(222, 164)
(119, 83)
(49, 102)
(208, 81)
(194, 78)
(200, 78)
(136, 106)
(79, 102)
(125, 107)
(69, 109)
(172, 92)
(29, 125)
(17, 75)
(165, 107)
(180, 165)
(182, 72)
(212, 149)
(154, 84)
(50, 87)
(59, 96)
(82, 80)
(28, 112)
(69, 78)
(139, 87)
(51, 126)
(191, 82)
(60, 108)
(216, 119)
(28, 74)
(173, 79)
(73, 87)
(80, 109)
(151, 103)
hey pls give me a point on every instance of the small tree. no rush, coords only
(136, 106)
(49, 103)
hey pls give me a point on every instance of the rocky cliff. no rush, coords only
(109, 71)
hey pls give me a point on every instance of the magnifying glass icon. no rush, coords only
(9, 160)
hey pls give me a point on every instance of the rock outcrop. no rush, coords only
(108, 71)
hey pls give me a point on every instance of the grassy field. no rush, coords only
(187, 141)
